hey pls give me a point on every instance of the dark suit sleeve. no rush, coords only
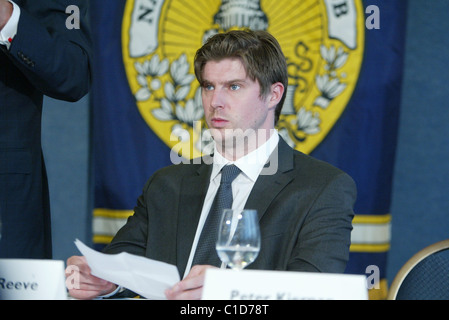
(52, 57)
(132, 237)
(324, 240)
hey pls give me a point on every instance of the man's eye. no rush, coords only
(208, 87)
(235, 87)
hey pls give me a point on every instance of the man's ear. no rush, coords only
(277, 91)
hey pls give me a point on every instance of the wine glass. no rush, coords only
(238, 242)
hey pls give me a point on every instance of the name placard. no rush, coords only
(29, 279)
(282, 285)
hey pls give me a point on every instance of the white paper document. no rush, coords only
(146, 277)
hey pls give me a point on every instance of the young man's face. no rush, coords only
(231, 101)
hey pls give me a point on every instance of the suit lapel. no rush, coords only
(193, 191)
(272, 180)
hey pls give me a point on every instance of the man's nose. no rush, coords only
(217, 100)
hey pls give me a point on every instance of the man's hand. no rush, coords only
(5, 12)
(89, 286)
(191, 287)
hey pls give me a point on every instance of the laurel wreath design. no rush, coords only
(329, 83)
(151, 72)
(307, 121)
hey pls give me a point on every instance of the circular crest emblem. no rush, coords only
(322, 40)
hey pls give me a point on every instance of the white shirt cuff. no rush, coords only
(117, 290)
(9, 31)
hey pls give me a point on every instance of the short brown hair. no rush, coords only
(260, 53)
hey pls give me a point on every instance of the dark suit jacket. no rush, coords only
(44, 58)
(305, 211)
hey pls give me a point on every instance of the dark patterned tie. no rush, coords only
(205, 250)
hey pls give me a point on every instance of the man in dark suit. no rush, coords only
(42, 52)
(305, 206)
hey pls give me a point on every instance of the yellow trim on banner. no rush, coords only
(371, 233)
(371, 219)
(380, 293)
(101, 239)
(384, 247)
(111, 213)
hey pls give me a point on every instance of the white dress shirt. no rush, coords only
(251, 165)
(10, 29)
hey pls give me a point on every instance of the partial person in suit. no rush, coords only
(39, 55)
(305, 206)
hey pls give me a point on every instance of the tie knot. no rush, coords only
(229, 173)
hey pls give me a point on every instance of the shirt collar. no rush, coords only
(252, 163)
